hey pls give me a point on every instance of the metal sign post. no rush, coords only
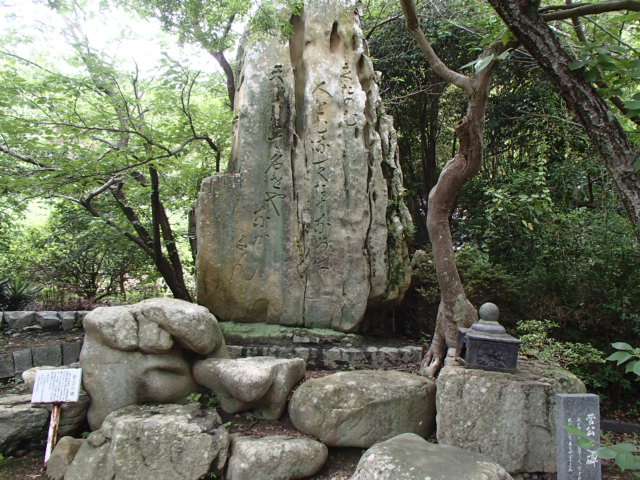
(56, 387)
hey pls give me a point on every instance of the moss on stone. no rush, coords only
(252, 332)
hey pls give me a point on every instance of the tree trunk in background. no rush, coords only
(591, 110)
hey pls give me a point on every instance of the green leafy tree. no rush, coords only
(214, 25)
(129, 150)
(576, 81)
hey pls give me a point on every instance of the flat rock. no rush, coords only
(20, 422)
(275, 458)
(410, 457)
(19, 320)
(510, 418)
(62, 456)
(360, 408)
(261, 384)
(141, 353)
(153, 442)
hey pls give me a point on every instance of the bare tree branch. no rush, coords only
(26, 159)
(461, 81)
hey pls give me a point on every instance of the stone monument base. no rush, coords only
(509, 417)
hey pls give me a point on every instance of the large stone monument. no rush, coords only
(308, 227)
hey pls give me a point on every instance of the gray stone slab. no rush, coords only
(22, 360)
(80, 314)
(48, 320)
(47, 355)
(6, 365)
(583, 412)
(18, 320)
(68, 320)
(71, 352)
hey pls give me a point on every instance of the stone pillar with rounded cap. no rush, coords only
(486, 344)
(505, 413)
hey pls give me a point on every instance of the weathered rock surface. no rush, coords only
(261, 384)
(410, 457)
(136, 354)
(360, 408)
(20, 422)
(308, 226)
(73, 417)
(153, 442)
(275, 458)
(508, 417)
(62, 456)
(29, 376)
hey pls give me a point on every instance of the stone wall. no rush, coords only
(16, 362)
(14, 325)
(24, 321)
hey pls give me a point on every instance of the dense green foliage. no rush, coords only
(540, 231)
(124, 147)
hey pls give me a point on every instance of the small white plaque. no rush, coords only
(57, 386)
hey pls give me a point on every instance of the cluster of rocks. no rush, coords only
(140, 362)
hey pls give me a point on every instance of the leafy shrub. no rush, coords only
(582, 359)
(483, 282)
(17, 293)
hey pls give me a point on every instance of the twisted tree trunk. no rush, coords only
(455, 309)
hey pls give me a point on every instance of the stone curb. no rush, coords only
(334, 358)
(44, 320)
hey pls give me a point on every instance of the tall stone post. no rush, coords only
(308, 227)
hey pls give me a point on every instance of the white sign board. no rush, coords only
(57, 386)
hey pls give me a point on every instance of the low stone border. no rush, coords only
(14, 363)
(44, 320)
(334, 358)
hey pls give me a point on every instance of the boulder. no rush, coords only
(308, 226)
(137, 353)
(410, 457)
(276, 457)
(261, 384)
(153, 442)
(73, 417)
(29, 376)
(20, 423)
(360, 408)
(510, 418)
(62, 456)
